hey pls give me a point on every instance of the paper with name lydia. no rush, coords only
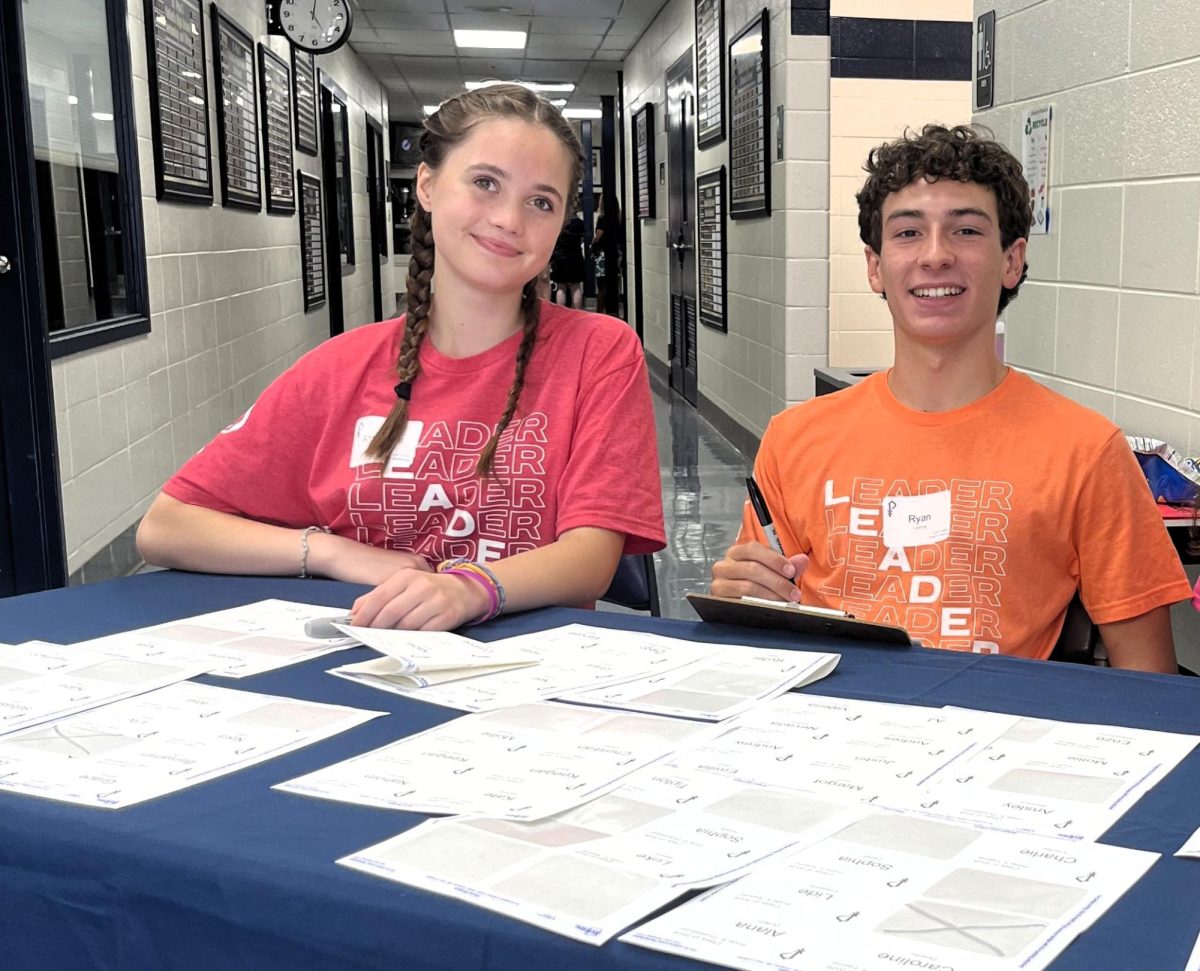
(416, 659)
(902, 892)
(591, 871)
(523, 762)
(235, 643)
(161, 742)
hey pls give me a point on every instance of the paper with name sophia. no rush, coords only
(237, 642)
(903, 892)
(40, 682)
(572, 658)
(161, 742)
(1062, 779)
(523, 762)
(416, 659)
(593, 870)
(716, 687)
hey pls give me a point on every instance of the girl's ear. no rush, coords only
(425, 179)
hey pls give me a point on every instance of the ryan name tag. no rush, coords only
(916, 520)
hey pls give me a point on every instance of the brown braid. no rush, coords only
(416, 324)
(530, 307)
(447, 127)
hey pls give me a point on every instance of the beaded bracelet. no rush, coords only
(464, 567)
(308, 530)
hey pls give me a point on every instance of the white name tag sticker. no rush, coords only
(916, 520)
(402, 455)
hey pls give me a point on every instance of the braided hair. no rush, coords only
(448, 127)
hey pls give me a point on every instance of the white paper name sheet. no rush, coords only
(1051, 778)
(417, 659)
(717, 687)
(161, 742)
(857, 751)
(523, 762)
(1191, 847)
(893, 891)
(238, 642)
(572, 658)
(40, 682)
(594, 870)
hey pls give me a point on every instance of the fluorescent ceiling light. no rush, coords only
(531, 85)
(558, 102)
(504, 39)
(102, 116)
(429, 109)
(72, 100)
(582, 113)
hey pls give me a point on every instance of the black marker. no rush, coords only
(764, 516)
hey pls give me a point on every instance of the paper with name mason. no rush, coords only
(593, 870)
(161, 742)
(416, 659)
(892, 891)
(523, 762)
(572, 658)
(1062, 779)
(40, 682)
(717, 687)
(237, 642)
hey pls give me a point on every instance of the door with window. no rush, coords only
(681, 224)
(377, 203)
(339, 212)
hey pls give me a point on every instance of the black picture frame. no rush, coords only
(710, 72)
(177, 72)
(312, 240)
(304, 100)
(235, 84)
(275, 103)
(643, 162)
(750, 121)
(712, 264)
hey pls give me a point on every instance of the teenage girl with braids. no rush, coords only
(487, 451)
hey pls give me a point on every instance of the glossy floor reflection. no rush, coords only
(704, 487)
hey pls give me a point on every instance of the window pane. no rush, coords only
(80, 190)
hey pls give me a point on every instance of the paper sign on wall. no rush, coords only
(1035, 160)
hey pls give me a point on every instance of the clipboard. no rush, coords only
(730, 610)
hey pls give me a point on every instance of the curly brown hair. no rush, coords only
(447, 128)
(961, 153)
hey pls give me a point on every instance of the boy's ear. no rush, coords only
(873, 276)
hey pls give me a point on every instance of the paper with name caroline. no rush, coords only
(40, 682)
(523, 762)
(234, 643)
(591, 871)
(161, 742)
(904, 892)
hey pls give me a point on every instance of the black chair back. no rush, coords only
(635, 585)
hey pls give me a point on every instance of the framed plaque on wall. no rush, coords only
(178, 76)
(710, 249)
(312, 240)
(237, 113)
(304, 100)
(276, 89)
(749, 121)
(643, 161)
(710, 72)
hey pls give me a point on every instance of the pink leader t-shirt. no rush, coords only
(580, 450)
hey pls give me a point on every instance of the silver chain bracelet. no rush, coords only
(304, 574)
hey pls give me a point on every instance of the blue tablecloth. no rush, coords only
(230, 874)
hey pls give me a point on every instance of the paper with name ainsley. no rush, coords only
(522, 762)
(591, 871)
(40, 682)
(1062, 779)
(238, 642)
(572, 658)
(714, 688)
(161, 742)
(903, 892)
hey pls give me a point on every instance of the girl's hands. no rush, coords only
(416, 599)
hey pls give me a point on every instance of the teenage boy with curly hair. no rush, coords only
(952, 495)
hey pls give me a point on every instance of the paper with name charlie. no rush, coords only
(161, 742)
(40, 682)
(238, 642)
(904, 892)
(591, 871)
(523, 762)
